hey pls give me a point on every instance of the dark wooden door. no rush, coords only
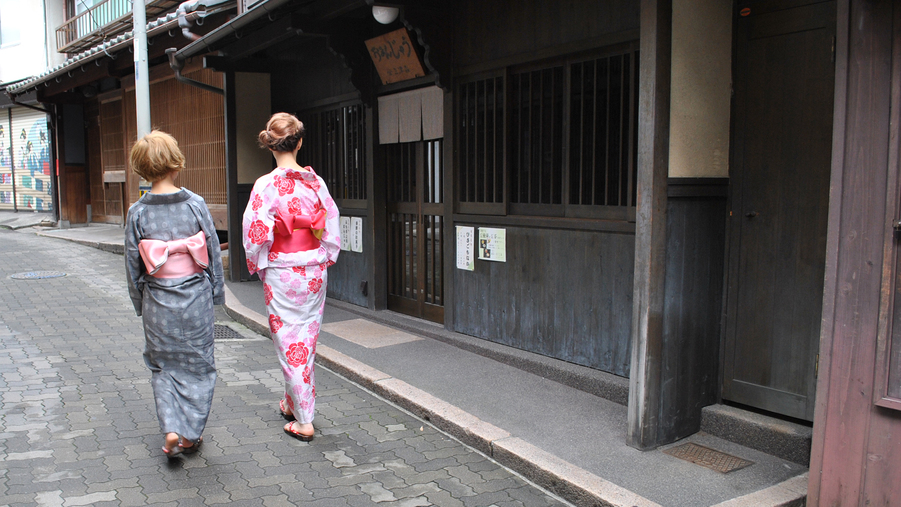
(415, 226)
(782, 138)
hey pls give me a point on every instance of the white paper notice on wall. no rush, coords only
(465, 243)
(356, 234)
(492, 244)
(345, 233)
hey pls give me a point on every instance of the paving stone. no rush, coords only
(78, 421)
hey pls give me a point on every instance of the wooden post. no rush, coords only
(650, 227)
(235, 232)
(376, 190)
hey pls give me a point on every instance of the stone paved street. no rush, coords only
(78, 426)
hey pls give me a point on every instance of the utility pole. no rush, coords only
(142, 73)
(142, 79)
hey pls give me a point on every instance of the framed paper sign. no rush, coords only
(394, 57)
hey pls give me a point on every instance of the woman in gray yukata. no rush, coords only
(174, 270)
(291, 237)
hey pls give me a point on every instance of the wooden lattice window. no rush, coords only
(603, 132)
(481, 134)
(335, 146)
(536, 125)
(557, 138)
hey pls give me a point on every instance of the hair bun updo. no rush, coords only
(283, 132)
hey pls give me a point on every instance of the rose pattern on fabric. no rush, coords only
(285, 186)
(295, 312)
(258, 232)
(275, 323)
(297, 354)
(294, 206)
(251, 266)
(312, 184)
(272, 256)
(267, 293)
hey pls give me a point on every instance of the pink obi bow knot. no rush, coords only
(297, 233)
(175, 259)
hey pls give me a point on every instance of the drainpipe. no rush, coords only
(186, 24)
(177, 65)
(192, 6)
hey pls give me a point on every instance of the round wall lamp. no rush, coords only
(385, 15)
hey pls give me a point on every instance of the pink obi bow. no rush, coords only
(175, 259)
(297, 233)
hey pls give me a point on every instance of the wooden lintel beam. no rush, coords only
(268, 35)
(228, 64)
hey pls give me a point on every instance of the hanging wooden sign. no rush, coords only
(394, 57)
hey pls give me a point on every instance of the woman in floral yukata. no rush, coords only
(291, 236)
(174, 270)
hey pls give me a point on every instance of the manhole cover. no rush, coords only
(221, 332)
(37, 275)
(707, 457)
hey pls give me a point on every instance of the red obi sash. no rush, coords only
(298, 233)
(174, 259)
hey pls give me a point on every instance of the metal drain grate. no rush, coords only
(37, 275)
(707, 457)
(221, 332)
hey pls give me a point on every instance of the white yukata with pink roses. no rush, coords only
(294, 284)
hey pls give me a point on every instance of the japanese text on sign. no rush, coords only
(394, 57)
(492, 244)
(465, 241)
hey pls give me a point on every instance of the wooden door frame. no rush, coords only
(420, 208)
(850, 461)
(735, 224)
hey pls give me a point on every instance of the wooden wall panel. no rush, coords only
(345, 277)
(563, 294)
(532, 27)
(113, 156)
(95, 166)
(76, 191)
(695, 243)
(196, 118)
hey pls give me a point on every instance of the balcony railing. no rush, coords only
(103, 21)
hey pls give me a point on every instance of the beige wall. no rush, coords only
(27, 56)
(253, 109)
(701, 89)
(56, 15)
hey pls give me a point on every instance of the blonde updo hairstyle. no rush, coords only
(156, 155)
(283, 133)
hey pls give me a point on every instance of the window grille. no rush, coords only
(480, 175)
(603, 131)
(335, 146)
(558, 139)
(536, 122)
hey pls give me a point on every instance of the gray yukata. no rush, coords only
(177, 312)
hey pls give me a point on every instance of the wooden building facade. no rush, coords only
(91, 102)
(698, 196)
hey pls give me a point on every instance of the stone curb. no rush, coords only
(107, 247)
(563, 478)
(789, 493)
